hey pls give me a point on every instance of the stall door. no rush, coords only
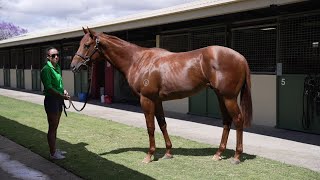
(81, 82)
(5, 64)
(299, 80)
(36, 66)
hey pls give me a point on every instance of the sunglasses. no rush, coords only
(54, 55)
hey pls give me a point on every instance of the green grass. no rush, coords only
(102, 149)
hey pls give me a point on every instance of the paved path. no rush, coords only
(291, 147)
(17, 162)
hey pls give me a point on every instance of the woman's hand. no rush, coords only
(66, 95)
(65, 92)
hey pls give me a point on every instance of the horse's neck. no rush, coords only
(120, 53)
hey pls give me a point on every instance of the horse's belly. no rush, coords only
(170, 94)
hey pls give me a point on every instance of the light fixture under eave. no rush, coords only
(268, 29)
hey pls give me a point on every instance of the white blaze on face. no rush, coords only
(19, 170)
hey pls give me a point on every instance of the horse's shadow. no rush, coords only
(184, 152)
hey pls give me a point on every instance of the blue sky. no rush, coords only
(35, 15)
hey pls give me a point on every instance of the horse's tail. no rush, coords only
(245, 99)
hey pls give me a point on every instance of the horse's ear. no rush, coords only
(84, 30)
(92, 33)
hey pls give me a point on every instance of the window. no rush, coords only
(67, 55)
(299, 44)
(258, 45)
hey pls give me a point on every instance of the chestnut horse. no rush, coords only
(157, 75)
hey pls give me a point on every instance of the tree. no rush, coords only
(8, 30)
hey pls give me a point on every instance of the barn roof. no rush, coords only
(183, 12)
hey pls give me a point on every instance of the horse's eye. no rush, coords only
(86, 46)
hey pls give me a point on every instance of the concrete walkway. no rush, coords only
(17, 162)
(286, 146)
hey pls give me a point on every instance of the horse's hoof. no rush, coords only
(216, 158)
(235, 161)
(167, 156)
(146, 160)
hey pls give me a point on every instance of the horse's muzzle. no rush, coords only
(78, 67)
(75, 69)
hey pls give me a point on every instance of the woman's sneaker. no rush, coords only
(61, 152)
(57, 156)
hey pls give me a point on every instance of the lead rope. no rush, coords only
(70, 101)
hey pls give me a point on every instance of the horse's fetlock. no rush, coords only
(168, 145)
(223, 147)
(239, 150)
(152, 150)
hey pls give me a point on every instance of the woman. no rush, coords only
(53, 102)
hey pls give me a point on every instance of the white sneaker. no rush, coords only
(61, 152)
(57, 156)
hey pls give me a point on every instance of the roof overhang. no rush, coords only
(184, 12)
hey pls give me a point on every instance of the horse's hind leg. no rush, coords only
(163, 126)
(235, 113)
(227, 120)
(148, 108)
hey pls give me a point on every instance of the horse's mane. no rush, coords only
(120, 42)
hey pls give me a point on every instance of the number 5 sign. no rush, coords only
(283, 81)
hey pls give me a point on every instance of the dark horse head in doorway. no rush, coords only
(157, 75)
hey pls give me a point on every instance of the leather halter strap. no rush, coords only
(87, 59)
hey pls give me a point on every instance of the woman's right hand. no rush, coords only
(66, 97)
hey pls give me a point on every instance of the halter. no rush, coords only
(87, 59)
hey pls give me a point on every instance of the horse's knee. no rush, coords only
(163, 128)
(151, 130)
(161, 122)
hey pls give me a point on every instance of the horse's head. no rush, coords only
(88, 51)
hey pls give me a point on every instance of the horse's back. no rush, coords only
(177, 75)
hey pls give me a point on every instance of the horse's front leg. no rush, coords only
(148, 107)
(163, 126)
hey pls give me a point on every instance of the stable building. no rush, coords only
(279, 38)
